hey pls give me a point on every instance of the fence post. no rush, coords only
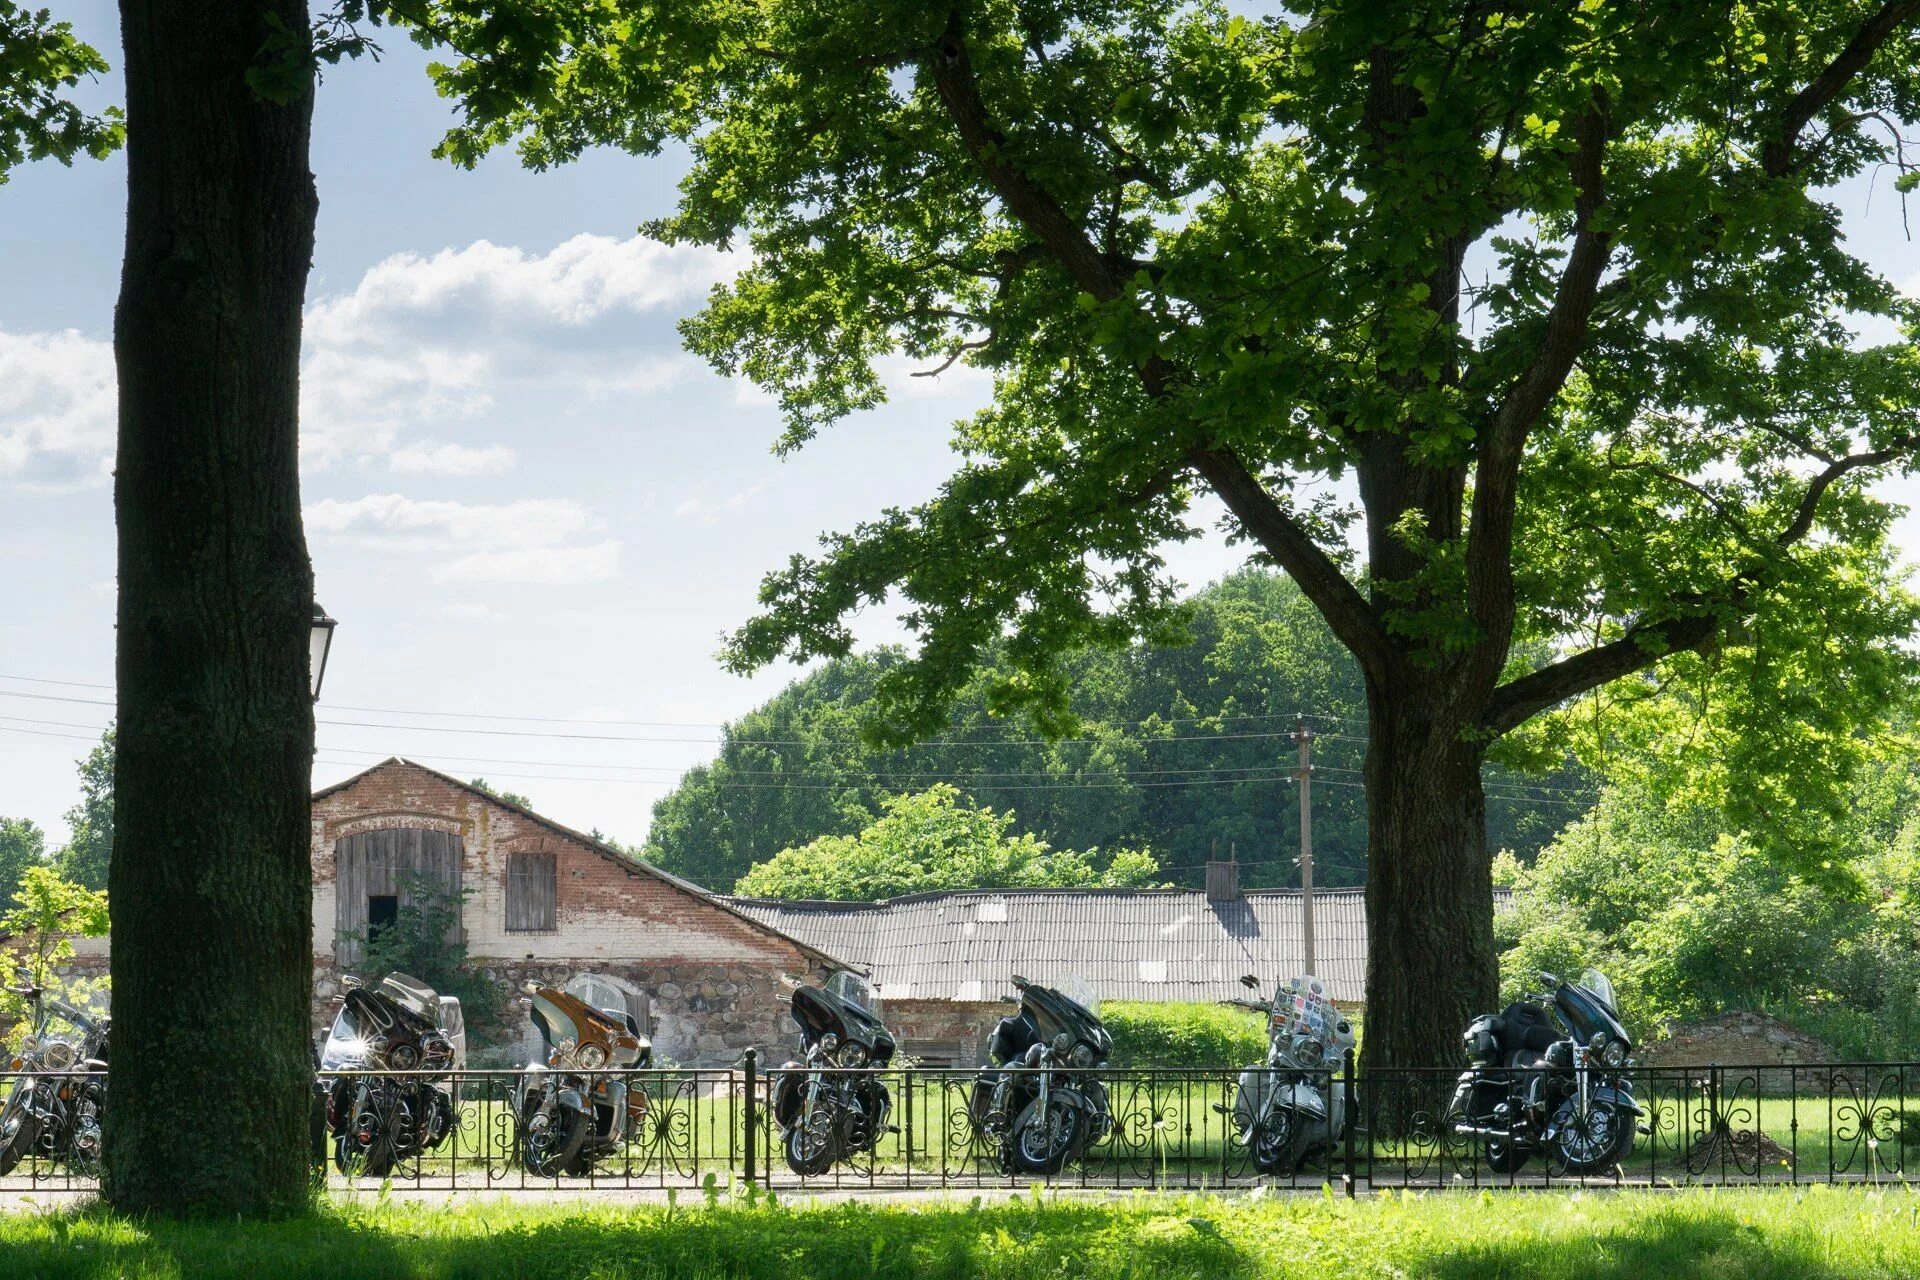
(1352, 1111)
(750, 1111)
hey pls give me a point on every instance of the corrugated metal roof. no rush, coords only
(1149, 944)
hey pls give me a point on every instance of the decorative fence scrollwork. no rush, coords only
(1737, 1125)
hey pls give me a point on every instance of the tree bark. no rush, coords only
(210, 880)
(1431, 963)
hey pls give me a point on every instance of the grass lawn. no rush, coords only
(1810, 1234)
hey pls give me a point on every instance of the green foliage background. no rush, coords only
(1184, 1035)
(933, 839)
(1183, 751)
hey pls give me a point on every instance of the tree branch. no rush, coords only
(1036, 209)
(1778, 156)
(1496, 477)
(1693, 622)
(1348, 612)
(1802, 522)
(1519, 700)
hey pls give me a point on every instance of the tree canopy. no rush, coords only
(934, 839)
(39, 59)
(89, 849)
(1689, 917)
(1560, 290)
(1183, 750)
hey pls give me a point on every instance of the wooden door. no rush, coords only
(387, 861)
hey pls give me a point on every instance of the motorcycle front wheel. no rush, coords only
(18, 1133)
(1045, 1143)
(1597, 1144)
(809, 1144)
(550, 1142)
(1272, 1145)
(1505, 1157)
(370, 1156)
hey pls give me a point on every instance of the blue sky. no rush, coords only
(523, 499)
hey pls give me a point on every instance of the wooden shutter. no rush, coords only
(530, 893)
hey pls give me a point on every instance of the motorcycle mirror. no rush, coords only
(1250, 982)
(1552, 980)
(530, 987)
(350, 983)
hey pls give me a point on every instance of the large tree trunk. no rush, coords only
(1430, 955)
(210, 880)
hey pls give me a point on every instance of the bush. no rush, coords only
(1183, 1035)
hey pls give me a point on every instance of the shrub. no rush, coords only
(1183, 1035)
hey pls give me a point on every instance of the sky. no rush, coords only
(522, 498)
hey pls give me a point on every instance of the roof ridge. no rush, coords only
(598, 846)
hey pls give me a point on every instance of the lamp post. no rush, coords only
(322, 641)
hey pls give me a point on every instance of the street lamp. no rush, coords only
(322, 640)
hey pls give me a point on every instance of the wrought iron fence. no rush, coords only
(1169, 1128)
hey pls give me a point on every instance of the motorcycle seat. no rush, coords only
(1523, 1028)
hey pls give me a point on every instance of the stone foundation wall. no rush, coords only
(1743, 1039)
(944, 1032)
(704, 1014)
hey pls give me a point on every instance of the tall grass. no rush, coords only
(1814, 1234)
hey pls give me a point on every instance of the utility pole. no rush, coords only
(1304, 736)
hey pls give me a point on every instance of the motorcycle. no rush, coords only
(1290, 1109)
(578, 1106)
(55, 1109)
(401, 1026)
(1548, 1077)
(1044, 1106)
(830, 1105)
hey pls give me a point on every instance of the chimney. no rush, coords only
(1223, 880)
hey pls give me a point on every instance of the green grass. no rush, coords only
(1818, 1234)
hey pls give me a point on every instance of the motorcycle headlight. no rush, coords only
(592, 1055)
(1060, 1045)
(829, 1042)
(1615, 1054)
(58, 1055)
(1307, 1051)
(1082, 1055)
(853, 1054)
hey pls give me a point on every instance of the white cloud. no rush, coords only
(437, 459)
(390, 518)
(57, 402)
(577, 281)
(535, 540)
(697, 508)
(562, 566)
(479, 336)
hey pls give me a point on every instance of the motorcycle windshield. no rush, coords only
(851, 988)
(1054, 1013)
(346, 1047)
(1307, 1029)
(1589, 1011)
(556, 1024)
(1596, 982)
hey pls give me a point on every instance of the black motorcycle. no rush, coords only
(58, 1099)
(1044, 1107)
(832, 1105)
(379, 1120)
(1549, 1077)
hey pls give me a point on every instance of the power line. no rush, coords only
(671, 724)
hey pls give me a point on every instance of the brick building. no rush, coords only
(545, 902)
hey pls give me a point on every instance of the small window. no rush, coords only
(383, 909)
(530, 893)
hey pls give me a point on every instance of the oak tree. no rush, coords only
(1522, 336)
(211, 881)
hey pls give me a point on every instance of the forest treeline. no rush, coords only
(1184, 752)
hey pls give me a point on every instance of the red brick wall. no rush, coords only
(712, 976)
